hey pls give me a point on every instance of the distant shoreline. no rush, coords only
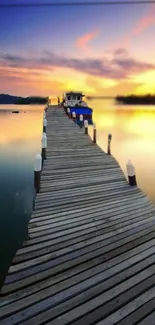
(6, 99)
(136, 100)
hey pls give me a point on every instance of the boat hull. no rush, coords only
(82, 110)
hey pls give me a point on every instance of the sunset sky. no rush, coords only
(101, 50)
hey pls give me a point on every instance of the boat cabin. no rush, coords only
(73, 98)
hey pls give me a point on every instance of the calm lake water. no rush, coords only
(20, 139)
(133, 131)
(133, 137)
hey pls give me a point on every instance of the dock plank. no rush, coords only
(90, 257)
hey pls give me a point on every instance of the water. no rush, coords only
(20, 139)
(133, 134)
(133, 137)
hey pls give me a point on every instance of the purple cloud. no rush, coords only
(120, 52)
(132, 65)
(119, 67)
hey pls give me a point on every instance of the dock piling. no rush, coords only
(86, 126)
(81, 121)
(37, 172)
(68, 112)
(131, 173)
(74, 116)
(44, 146)
(44, 125)
(94, 133)
(109, 144)
(65, 108)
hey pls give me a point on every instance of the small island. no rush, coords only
(136, 99)
(32, 100)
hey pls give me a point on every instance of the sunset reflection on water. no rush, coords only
(133, 137)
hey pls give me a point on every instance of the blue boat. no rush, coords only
(74, 100)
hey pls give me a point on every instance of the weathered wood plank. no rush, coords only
(91, 308)
(73, 207)
(97, 212)
(83, 269)
(124, 244)
(136, 309)
(150, 320)
(125, 271)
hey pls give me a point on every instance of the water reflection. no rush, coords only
(133, 130)
(20, 139)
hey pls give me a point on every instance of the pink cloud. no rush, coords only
(120, 66)
(82, 42)
(146, 21)
(142, 24)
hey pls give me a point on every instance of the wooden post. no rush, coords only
(65, 108)
(68, 112)
(44, 146)
(81, 121)
(86, 126)
(74, 116)
(109, 144)
(131, 174)
(44, 125)
(37, 172)
(94, 133)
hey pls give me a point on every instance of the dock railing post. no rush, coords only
(109, 144)
(37, 172)
(94, 133)
(44, 146)
(65, 108)
(68, 112)
(86, 126)
(131, 173)
(81, 121)
(74, 116)
(44, 125)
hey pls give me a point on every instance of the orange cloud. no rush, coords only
(82, 42)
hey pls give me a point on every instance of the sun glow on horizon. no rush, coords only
(43, 82)
(147, 81)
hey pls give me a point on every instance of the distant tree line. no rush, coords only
(31, 100)
(137, 99)
(9, 99)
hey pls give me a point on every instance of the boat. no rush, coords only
(75, 101)
(16, 112)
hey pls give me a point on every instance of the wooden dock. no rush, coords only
(91, 254)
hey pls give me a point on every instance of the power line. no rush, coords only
(71, 4)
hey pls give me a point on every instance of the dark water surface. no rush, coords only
(20, 139)
(133, 131)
